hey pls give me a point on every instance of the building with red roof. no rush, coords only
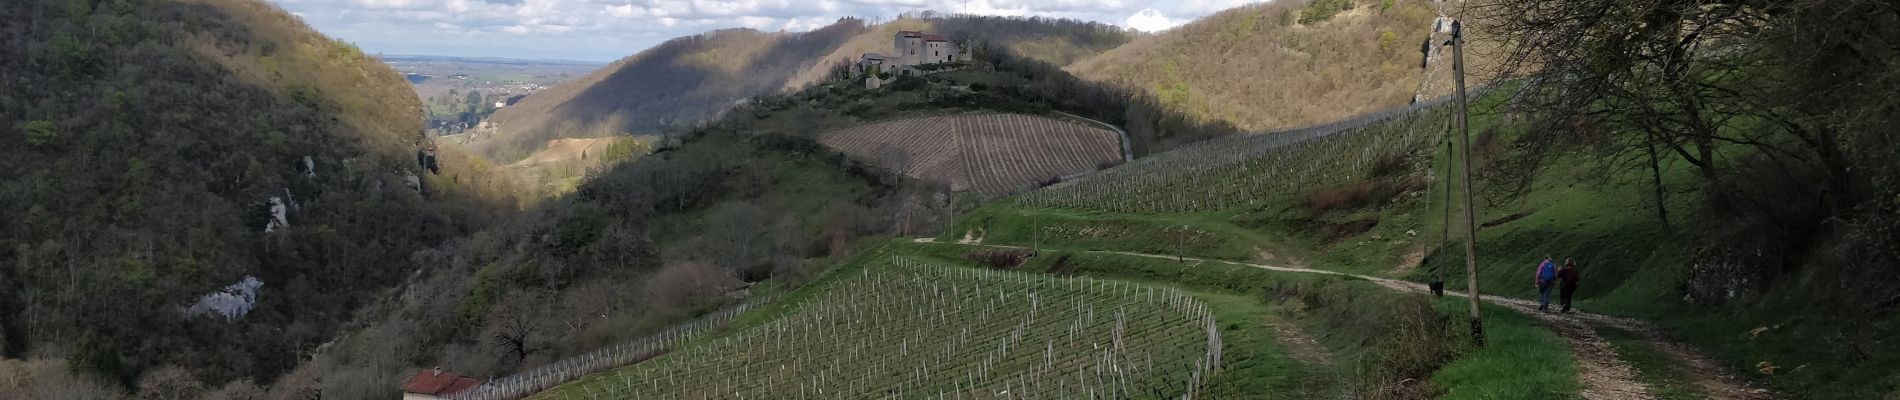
(434, 384)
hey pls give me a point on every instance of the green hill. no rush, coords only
(143, 143)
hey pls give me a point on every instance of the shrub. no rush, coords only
(1349, 196)
(41, 133)
(1323, 10)
(1001, 258)
(51, 379)
(908, 83)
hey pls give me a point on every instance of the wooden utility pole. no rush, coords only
(1035, 238)
(1180, 246)
(1444, 234)
(1471, 225)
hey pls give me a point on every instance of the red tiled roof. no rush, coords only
(935, 38)
(438, 383)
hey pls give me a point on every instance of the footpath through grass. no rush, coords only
(1521, 360)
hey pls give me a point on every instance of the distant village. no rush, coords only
(912, 53)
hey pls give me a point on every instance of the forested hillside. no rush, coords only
(1280, 64)
(689, 80)
(143, 148)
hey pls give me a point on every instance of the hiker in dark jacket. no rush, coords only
(1569, 277)
(1545, 276)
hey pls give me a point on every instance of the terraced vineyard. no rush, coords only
(991, 154)
(1241, 170)
(909, 330)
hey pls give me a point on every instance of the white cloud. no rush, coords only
(610, 29)
(1151, 20)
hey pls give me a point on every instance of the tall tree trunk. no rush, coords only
(1655, 177)
(1841, 190)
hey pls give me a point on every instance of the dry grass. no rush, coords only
(679, 82)
(559, 150)
(300, 58)
(1258, 68)
(51, 379)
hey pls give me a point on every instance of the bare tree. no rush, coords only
(516, 328)
(170, 382)
(1710, 83)
(689, 285)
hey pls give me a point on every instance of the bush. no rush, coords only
(41, 134)
(1001, 258)
(908, 83)
(51, 379)
(1323, 10)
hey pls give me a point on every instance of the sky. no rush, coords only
(606, 30)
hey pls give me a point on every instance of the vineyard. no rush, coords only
(906, 329)
(1247, 169)
(991, 154)
(547, 376)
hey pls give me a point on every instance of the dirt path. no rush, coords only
(1300, 345)
(1603, 373)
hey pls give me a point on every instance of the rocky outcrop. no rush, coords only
(1724, 274)
(1434, 62)
(231, 302)
(279, 215)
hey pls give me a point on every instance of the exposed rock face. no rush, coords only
(279, 215)
(1432, 52)
(415, 182)
(1723, 274)
(231, 302)
(309, 168)
(291, 201)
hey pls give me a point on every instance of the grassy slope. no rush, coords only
(1255, 68)
(1521, 360)
(1633, 265)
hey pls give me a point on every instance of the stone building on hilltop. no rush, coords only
(913, 48)
(909, 51)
